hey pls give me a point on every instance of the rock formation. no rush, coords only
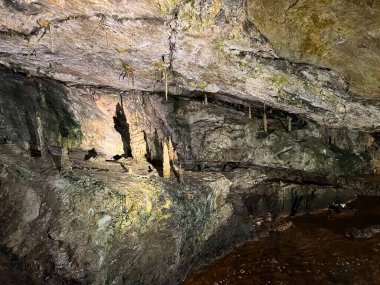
(165, 160)
(118, 78)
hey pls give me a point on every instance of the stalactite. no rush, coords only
(163, 68)
(249, 112)
(265, 120)
(165, 160)
(127, 72)
(206, 100)
(166, 84)
(51, 38)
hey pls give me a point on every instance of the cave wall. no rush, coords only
(36, 113)
(341, 35)
(105, 222)
(208, 134)
(77, 76)
(41, 114)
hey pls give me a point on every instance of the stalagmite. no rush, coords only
(249, 112)
(265, 121)
(51, 38)
(171, 150)
(173, 159)
(180, 173)
(40, 134)
(151, 155)
(165, 160)
(65, 161)
(206, 101)
(289, 124)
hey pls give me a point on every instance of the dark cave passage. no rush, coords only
(122, 127)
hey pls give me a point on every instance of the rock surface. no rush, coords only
(102, 226)
(341, 35)
(366, 233)
(225, 48)
(72, 213)
(258, 127)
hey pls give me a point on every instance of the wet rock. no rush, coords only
(280, 226)
(360, 233)
(365, 233)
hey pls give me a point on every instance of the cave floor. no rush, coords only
(317, 250)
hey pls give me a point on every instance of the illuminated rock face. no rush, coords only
(319, 60)
(342, 35)
(101, 220)
(83, 82)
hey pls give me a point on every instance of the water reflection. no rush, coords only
(315, 251)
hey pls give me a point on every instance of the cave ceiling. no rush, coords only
(317, 59)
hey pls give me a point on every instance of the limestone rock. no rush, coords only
(93, 75)
(341, 35)
(236, 51)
